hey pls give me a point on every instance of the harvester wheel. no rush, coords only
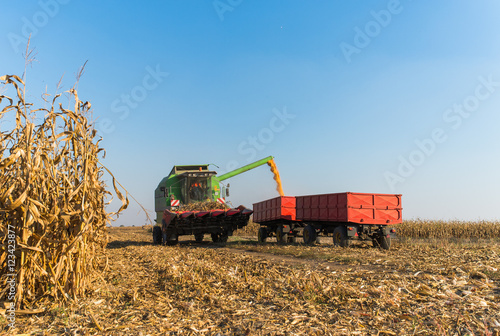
(220, 237)
(171, 239)
(262, 235)
(340, 237)
(199, 237)
(157, 235)
(281, 237)
(309, 235)
(171, 242)
(384, 242)
(223, 237)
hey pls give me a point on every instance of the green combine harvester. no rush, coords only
(196, 183)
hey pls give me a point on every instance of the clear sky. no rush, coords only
(363, 96)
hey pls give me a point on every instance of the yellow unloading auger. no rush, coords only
(269, 160)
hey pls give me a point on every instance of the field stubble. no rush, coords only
(424, 288)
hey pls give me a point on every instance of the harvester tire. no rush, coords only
(309, 235)
(262, 235)
(172, 242)
(199, 237)
(340, 237)
(220, 237)
(281, 237)
(157, 235)
(223, 237)
(171, 239)
(384, 242)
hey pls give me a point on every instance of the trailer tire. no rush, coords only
(262, 235)
(157, 235)
(281, 237)
(309, 235)
(198, 237)
(340, 237)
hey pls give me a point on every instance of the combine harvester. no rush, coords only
(192, 184)
(347, 216)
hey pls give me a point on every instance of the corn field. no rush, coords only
(52, 197)
(419, 228)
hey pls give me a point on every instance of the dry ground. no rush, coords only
(440, 287)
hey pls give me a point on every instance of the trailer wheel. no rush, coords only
(215, 237)
(157, 235)
(340, 237)
(262, 235)
(309, 235)
(199, 237)
(281, 237)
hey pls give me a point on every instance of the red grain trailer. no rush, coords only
(346, 216)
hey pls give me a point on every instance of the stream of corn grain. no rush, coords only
(277, 178)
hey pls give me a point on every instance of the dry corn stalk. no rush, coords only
(419, 228)
(52, 195)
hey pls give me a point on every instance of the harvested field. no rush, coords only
(417, 288)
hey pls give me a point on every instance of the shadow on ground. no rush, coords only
(124, 243)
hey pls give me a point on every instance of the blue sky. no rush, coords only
(374, 96)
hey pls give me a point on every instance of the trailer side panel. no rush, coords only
(362, 208)
(282, 207)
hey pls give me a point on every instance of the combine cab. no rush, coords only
(192, 184)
